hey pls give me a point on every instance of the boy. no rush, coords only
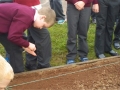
(6, 73)
(78, 16)
(15, 19)
(41, 39)
(104, 29)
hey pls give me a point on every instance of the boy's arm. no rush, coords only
(20, 22)
(16, 30)
(79, 5)
(74, 1)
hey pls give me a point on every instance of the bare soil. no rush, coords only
(96, 74)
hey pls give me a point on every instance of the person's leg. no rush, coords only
(15, 53)
(73, 19)
(31, 61)
(116, 40)
(42, 40)
(7, 56)
(56, 5)
(6, 1)
(100, 28)
(111, 17)
(83, 27)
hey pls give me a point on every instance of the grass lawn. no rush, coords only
(59, 38)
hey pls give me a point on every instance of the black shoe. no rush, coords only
(113, 53)
(100, 56)
(43, 66)
(30, 68)
(116, 45)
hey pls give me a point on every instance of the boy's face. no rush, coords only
(40, 22)
(4, 83)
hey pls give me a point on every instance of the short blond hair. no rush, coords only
(6, 71)
(49, 13)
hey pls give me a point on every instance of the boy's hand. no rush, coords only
(32, 46)
(30, 51)
(79, 5)
(95, 8)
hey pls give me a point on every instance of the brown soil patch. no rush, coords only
(97, 74)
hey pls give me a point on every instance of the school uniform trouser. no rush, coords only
(117, 33)
(15, 53)
(105, 23)
(78, 24)
(42, 41)
(93, 15)
(56, 5)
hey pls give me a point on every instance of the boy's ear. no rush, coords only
(42, 16)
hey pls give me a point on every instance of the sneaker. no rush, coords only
(100, 56)
(116, 45)
(83, 59)
(60, 21)
(70, 61)
(113, 53)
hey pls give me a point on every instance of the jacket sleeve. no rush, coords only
(17, 29)
(95, 1)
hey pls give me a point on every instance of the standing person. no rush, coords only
(56, 5)
(78, 16)
(6, 73)
(104, 29)
(15, 19)
(41, 39)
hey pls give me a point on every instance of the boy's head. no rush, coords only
(6, 73)
(46, 18)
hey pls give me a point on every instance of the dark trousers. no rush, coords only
(78, 24)
(56, 5)
(15, 53)
(105, 23)
(117, 29)
(93, 15)
(117, 33)
(41, 38)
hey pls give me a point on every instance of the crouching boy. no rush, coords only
(14, 20)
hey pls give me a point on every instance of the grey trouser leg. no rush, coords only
(15, 53)
(105, 23)
(42, 40)
(56, 5)
(78, 24)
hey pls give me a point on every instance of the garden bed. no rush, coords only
(98, 74)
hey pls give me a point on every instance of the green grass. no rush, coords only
(59, 38)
